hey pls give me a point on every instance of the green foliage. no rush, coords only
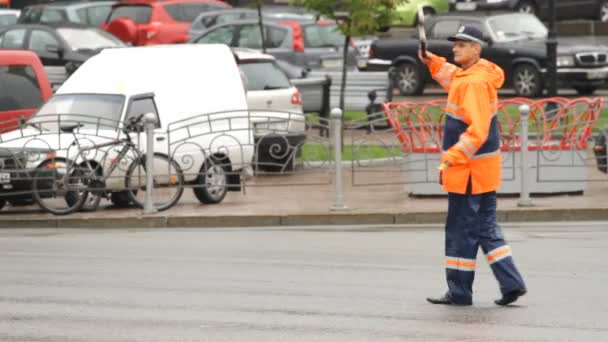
(365, 16)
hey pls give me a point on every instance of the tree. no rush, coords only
(354, 18)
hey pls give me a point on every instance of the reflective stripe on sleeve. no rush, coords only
(498, 254)
(460, 145)
(460, 264)
(447, 79)
(468, 144)
(441, 71)
(451, 105)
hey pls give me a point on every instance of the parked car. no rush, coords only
(276, 105)
(92, 13)
(515, 41)
(405, 14)
(564, 9)
(8, 17)
(199, 103)
(24, 87)
(144, 22)
(59, 46)
(308, 44)
(312, 89)
(207, 20)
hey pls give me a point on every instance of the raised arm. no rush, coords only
(442, 71)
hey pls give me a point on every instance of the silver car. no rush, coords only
(308, 44)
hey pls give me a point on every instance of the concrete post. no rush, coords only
(524, 195)
(336, 132)
(149, 125)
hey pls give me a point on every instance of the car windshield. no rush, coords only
(318, 35)
(79, 39)
(517, 27)
(92, 110)
(264, 75)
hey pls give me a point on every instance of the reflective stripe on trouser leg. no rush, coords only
(498, 253)
(461, 246)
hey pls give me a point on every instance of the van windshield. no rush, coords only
(91, 110)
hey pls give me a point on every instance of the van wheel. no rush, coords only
(121, 199)
(527, 81)
(212, 182)
(408, 79)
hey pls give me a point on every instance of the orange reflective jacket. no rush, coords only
(471, 139)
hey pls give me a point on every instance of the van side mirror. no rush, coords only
(52, 48)
(487, 40)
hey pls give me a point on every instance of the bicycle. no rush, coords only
(63, 186)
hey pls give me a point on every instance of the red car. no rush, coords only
(24, 87)
(146, 22)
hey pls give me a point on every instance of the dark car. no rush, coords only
(58, 45)
(515, 41)
(86, 13)
(564, 9)
(304, 43)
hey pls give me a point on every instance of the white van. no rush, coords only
(197, 93)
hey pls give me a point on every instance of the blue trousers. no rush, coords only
(472, 223)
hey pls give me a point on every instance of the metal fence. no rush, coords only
(69, 162)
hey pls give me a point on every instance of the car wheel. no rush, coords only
(212, 183)
(2, 203)
(603, 15)
(408, 79)
(527, 81)
(585, 90)
(526, 6)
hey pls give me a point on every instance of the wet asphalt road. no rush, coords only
(292, 285)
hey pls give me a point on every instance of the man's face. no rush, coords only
(465, 51)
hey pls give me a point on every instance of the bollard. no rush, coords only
(524, 195)
(149, 125)
(336, 132)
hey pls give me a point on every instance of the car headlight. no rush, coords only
(565, 61)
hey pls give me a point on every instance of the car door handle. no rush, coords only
(160, 138)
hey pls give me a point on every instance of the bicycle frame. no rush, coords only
(128, 145)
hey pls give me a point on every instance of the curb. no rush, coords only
(323, 219)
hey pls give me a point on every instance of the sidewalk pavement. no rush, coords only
(276, 201)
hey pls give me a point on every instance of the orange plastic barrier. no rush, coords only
(563, 124)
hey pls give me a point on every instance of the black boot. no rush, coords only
(446, 300)
(510, 297)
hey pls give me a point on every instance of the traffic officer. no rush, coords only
(470, 170)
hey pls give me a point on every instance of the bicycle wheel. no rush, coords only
(168, 182)
(59, 186)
